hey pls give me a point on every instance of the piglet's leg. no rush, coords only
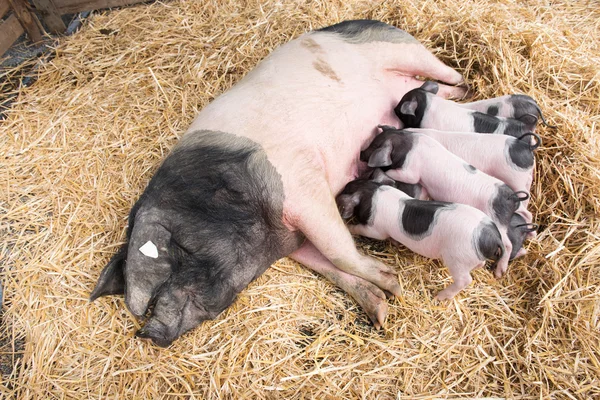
(318, 218)
(461, 276)
(367, 295)
(403, 175)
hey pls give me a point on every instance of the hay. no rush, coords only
(80, 144)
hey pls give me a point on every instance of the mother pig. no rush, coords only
(255, 176)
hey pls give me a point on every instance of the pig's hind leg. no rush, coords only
(318, 218)
(367, 295)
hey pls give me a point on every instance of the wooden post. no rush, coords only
(27, 19)
(4, 7)
(10, 30)
(50, 15)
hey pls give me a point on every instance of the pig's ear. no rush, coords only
(111, 280)
(149, 262)
(380, 177)
(431, 87)
(382, 156)
(409, 107)
(347, 203)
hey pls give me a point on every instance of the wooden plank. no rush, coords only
(10, 30)
(4, 7)
(50, 15)
(74, 6)
(27, 19)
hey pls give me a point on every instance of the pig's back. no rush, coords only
(454, 227)
(312, 102)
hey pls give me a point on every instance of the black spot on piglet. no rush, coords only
(492, 110)
(483, 123)
(418, 217)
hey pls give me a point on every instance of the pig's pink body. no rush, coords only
(324, 105)
(446, 179)
(450, 116)
(489, 154)
(451, 239)
(312, 105)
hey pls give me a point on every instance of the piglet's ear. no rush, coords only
(431, 87)
(111, 280)
(347, 203)
(382, 157)
(409, 107)
(380, 177)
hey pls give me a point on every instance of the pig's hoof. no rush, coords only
(498, 273)
(372, 300)
(386, 278)
(444, 296)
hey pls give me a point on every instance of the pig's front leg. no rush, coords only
(367, 295)
(317, 216)
(367, 231)
(461, 279)
(404, 175)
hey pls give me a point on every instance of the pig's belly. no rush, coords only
(308, 128)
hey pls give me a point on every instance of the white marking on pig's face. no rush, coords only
(149, 250)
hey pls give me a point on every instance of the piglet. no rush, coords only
(421, 108)
(462, 236)
(518, 231)
(509, 159)
(415, 158)
(518, 106)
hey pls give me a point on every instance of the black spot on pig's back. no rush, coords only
(520, 153)
(483, 123)
(514, 128)
(419, 217)
(493, 110)
(367, 30)
(470, 169)
(504, 204)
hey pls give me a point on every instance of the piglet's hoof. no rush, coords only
(444, 296)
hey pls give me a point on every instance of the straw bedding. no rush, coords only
(79, 146)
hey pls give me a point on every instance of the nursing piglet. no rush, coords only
(461, 236)
(415, 158)
(509, 159)
(421, 108)
(517, 106)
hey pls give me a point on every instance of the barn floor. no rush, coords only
(80, 144)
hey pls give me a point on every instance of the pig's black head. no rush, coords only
(518, 231)
(209, 222)
(413, 105)
(389, 149)
(356, 200)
